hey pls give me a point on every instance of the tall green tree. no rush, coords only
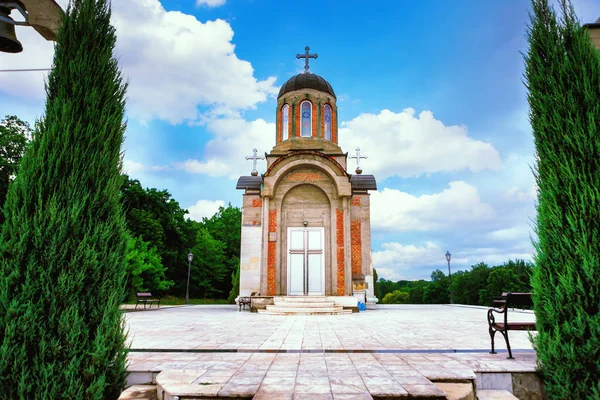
(563, 80)
(14, 135)
(62, 246)
(160, 221)
(209, 267)
(466, 286)
(376, 291)
(145, 272)
(438, 290)
(417, 291)
(226, 226)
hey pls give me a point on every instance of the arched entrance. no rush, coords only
(305, 251)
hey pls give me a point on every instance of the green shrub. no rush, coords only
(396, 297)
(62, 246)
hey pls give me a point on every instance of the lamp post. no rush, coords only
(187, 291)
(448, 255)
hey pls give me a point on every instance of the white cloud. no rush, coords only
(396, 261)
(204, 209)
(516, 194)
(210, 3)
(37, 53)
(174, 64)
(132, 167)
(403, 145)
(233, 140)
(393, 210)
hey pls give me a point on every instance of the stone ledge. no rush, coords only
(139, 392)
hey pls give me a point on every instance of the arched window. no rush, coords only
(285, 110)
(327, 121)
(306, 120)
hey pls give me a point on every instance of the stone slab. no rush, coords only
(457, 391)
(495, 395)
(139, 392)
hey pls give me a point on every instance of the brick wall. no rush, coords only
(252, 210)
(334, 126)
(339, 228)
(272, 252)
(356, 246)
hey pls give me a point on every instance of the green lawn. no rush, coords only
(174, 301)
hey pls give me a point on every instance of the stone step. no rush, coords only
(139, 392)
(495, 395)
(299, 304)
(286, 309)
(303, 299)
(267, 312)
(457, 391)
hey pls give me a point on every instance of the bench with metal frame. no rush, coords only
(242, 301)
(500, 305)
(146, 298)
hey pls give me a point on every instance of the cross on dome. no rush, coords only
(254, 157)
(358, 157)
(306, 56)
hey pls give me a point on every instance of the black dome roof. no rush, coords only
(306, 81)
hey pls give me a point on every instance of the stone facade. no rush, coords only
(305, 188)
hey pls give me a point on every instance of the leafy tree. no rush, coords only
(159, 220)
(144, 268)
(14, 135)
(235, 286)
(417, 291)
(62, 246)
(226, 226)
(387, 286)
(563, 80)
(438, 290)
(513, 276)
(396, 297)
(466, 286)
(376, 284)
(209, 267)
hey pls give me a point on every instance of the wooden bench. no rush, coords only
(500, 306)
(242, 301)
(146, 298)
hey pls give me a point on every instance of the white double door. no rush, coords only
(306, 261)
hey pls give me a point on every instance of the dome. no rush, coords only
(306, 81)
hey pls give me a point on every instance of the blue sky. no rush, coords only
(431, 91)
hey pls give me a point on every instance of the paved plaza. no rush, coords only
(394, 327)
(401, 350)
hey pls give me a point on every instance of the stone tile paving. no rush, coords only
(269, 375)
(419, 329)
(408, 327)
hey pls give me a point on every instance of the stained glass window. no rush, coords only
(284, 122)
(306, 124)
(327, 119)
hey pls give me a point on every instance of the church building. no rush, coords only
(306, 221)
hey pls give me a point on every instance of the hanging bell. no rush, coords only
(8, 38)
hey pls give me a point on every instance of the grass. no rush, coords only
(177, 301)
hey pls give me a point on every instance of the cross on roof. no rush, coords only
(358, 157)
(254, 157)
(306, 56)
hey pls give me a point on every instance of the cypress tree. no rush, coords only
(62, 246)
(563, 80)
